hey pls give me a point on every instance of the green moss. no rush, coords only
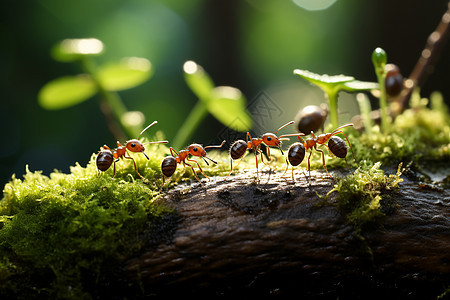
(419, 133)
(360, 194)
(63, 233)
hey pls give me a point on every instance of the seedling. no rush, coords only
(105, 80)
(332, 85)
(225, 103)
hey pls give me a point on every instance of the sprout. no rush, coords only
(225, 103)
(332, 85)
(379, 59)
(106, 80)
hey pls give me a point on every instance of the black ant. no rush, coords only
(107, 156)
(169, 163)
(336, 145)
(239, 147)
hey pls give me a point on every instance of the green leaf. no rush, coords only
(227, 104)
(323, 79)
(359, 86)
(74, 49)
(66, 91)
(128, 73)
(198, 80)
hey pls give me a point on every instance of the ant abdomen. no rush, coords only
(337, 146)
(238, 149)
(104, 159)
(296, 154)
(168, 166)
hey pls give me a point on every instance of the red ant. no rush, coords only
(169, 163)
(107, 156)
(239, 147)
(336, 145)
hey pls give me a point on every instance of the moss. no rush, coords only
(422, 132)
(60, 235)
(360, 194)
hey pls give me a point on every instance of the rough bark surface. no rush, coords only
(242, 238)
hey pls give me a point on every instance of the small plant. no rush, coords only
(225, 103)
(332, 85)
(379, 59)
(105, 80)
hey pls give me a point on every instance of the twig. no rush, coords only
(427, 60)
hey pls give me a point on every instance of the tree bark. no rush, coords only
(242, 238)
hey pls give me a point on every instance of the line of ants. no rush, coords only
(295, 155)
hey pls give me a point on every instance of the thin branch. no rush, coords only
(428, 58)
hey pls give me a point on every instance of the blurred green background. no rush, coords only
(252, 45)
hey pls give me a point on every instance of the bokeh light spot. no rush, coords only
(314, 4)
(190, 67)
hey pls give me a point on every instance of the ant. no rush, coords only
(336, 145)
(107, 156)
(239, 147)
(169, 163)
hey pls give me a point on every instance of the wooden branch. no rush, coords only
(248, 239)
(427, 60)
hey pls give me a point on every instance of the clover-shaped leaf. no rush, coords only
(74, 49)
(66, 91)
(227, 104)
(198, 80)
(128, 73)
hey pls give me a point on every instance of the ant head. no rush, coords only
(197, 150)
(271, 139)
(136, 146)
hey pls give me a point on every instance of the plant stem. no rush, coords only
(197, 114)
(333, 99)
(383, 104)
(112, 106)
(113, 100)
(365, 108)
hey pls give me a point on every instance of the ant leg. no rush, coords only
(249, 137)
(293, 178)
(309, 167)
(193, 170)
(256, 160)
(287, 167)
(173, 152)
(135, 166)
(348, 166)
(268, 153)
(114, 171)
(162, 185)
(323, 161)
(231, 166)
(200, 168)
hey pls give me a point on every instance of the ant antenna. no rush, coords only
(216, 146)
(289, 123)
(147, 128)
(209, 159)
(343, 126)
(159, 142)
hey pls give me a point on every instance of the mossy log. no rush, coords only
(275, 237)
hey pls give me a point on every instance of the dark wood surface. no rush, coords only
(242, 238)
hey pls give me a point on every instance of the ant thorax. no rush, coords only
(310, 142)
